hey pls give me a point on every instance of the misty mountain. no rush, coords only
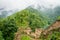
(49, 14)
(47, 11)
(1, 9)
(4, 13)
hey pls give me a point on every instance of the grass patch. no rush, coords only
(25, 37)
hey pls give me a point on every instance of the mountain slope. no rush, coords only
(28, 17)
(31, 17)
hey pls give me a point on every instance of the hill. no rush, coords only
(28, 17)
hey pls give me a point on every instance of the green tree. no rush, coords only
(8, 28)
(1, 36)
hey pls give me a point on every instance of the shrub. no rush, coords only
(8, 28)
(1, 37)
(25, 37)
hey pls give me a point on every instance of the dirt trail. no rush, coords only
(18, 34)
(56, 25)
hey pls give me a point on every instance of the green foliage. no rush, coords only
(58, 18)
(55, 35)
(22, 18)
(1, 37)
(25, 37)
(30, 17)
(8, 28)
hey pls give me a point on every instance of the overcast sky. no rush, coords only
(22, 4)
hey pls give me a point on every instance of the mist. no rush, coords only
(18, 5)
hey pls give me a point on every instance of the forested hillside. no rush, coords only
(28, 17)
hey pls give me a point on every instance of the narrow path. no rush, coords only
(18, 34)
(56, 25)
